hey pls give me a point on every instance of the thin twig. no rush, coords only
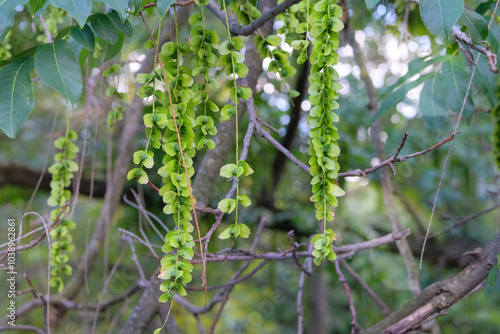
(394, 160)
(464, 220)
(383, 307)
(294, 246)
(354, 324)
(45, 304)
(178, 3)
(300, 292)
(147, 244)
(45, 29)
(261, 121)
(57, 221)
(134, 256)
(237, 29)
(460, 36)
(342, 251)
(234, 282)
(400, 147)
(406, 32)
(282, 149)
(146, 213)
(199, 324)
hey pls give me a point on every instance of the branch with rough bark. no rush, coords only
(269, 14)
(441, 295)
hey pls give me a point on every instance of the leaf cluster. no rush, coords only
(62, 173)
(325, 24)
(62, 244)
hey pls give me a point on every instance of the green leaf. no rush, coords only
(301, 28)
(416, 66)
(244, 200)
(186, 253)
(35, 6)
(439, 16)
(399, 94)
(273, 40)
(195, 19)
(247, 170)
(16, 96)
(64, 32)
(111, 50)
(494, 36)
(104, 27)
(486, 79)
(455, 82)
(84, 36)
(321, 6)
(244, 92)
(119, 5)
(318, 260)
(226, 234)
(137, 5)
(227, 112)
(7, 11)
(144, 78)
(432, 103)
(133, 173)
(224, 48)
(337, 191)
(163, 5)
(82, 57)
(492, 276)
(163, 299)
(227, 2)
(57, 66)
(78, 9)
(238, 42)
(371, 3)
(145, 91)
(476, 25)
(55, 281)
(240, 69)
(124, 27)
(20, 56)
(332, 256)
(229, 170)
(244, 231)
(146, 158)
(227, 205)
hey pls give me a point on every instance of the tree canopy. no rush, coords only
(249, 166)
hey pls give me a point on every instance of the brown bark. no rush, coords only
(441, 295)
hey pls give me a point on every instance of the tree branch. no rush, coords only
(237, 29)
(441, 295)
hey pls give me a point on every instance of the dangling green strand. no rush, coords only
(325, 24)
(233, 65)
